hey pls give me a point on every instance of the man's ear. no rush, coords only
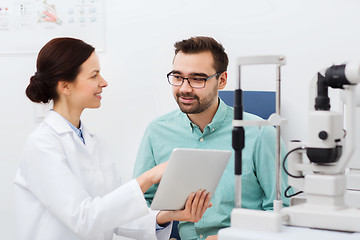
(63, 87)
(222, 80)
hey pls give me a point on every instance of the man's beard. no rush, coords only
(197, 106)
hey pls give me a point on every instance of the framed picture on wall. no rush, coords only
(26, 25)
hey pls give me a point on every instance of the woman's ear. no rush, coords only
(222, 80)
(63, 87)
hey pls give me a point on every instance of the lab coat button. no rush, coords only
(201, 139)
(201, 236)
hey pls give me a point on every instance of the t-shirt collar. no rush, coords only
(217, 120)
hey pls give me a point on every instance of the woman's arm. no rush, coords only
(151, 177)
(53, 183)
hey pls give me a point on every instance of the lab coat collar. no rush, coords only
(58, 123)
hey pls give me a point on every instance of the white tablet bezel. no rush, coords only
(189, 170)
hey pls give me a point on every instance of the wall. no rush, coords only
(139, 38)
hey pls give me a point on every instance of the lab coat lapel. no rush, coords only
(89, 140)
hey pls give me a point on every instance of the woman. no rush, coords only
(66, 186)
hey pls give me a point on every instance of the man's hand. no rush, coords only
(212, 237)
(195, 207)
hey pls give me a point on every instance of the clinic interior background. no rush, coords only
(139, 38)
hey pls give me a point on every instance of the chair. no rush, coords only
(260, 103)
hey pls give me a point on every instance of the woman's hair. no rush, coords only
(59, 60)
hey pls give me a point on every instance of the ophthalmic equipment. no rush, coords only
(321, 176)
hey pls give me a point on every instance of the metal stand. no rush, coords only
(256, 219)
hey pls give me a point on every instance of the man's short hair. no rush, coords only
(203, 44)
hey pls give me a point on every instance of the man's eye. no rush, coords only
(94, 76)
(177, 77)
(197, 79)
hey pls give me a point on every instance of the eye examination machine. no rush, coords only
(323, 169)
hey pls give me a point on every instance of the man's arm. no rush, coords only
(145, 160)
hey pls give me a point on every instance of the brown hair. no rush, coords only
(59, 59)
(203, 44)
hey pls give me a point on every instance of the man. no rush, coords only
(205, 122)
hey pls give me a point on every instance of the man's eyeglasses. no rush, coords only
(194, 82)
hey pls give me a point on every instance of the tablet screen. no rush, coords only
(189, 170)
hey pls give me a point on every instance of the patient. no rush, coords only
(204, 121)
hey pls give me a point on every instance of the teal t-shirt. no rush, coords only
(175, 130)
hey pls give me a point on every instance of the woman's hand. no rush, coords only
(157, 172)
(195, 207)
(150, 177)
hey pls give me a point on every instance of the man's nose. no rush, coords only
(185, 87)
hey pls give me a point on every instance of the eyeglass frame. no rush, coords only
(187, 79)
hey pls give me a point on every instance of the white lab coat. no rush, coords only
(67, 190)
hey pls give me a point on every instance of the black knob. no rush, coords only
(323, 135)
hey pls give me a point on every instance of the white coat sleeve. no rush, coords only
(144, 228)
(51, 181)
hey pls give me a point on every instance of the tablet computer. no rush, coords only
(189, 170)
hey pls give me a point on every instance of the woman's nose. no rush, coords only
(103, 82)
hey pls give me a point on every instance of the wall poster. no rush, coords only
(26, 25)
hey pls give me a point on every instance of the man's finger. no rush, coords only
(195, 202)
(199, 209)
(189, 202)
(206, 204)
